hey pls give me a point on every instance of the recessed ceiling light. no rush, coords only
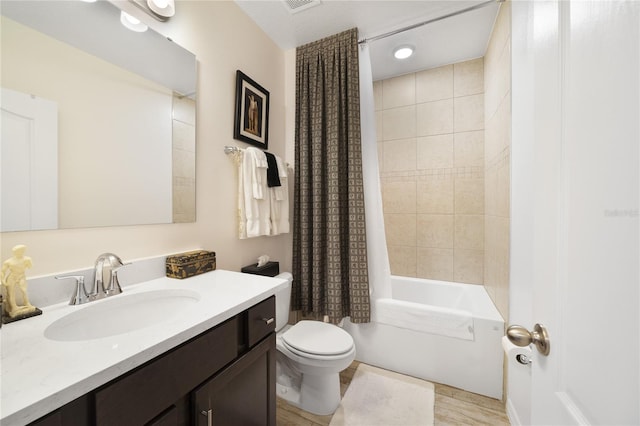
(403, 52)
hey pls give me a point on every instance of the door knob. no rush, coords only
(520, 336)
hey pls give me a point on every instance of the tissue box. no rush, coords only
(185, 265)
(270, 269)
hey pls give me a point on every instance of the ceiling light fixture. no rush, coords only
(403, 52)
(132, 23)
(160, 10)
(164, 8)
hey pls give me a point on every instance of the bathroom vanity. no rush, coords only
(212, 362)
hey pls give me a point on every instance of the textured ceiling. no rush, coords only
(451, 40)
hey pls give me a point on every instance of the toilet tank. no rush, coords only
(283, 301)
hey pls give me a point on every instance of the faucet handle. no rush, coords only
(114, 286)
(80, 295)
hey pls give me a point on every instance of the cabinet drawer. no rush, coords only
(152, 388)
(261, 320)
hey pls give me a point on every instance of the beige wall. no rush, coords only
(224, 40)
(497, 160)
(431, 142)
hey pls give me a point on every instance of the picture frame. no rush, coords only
(252, 112)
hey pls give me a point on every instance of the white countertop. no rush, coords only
(39, 375)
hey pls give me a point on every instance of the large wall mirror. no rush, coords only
(98, 121)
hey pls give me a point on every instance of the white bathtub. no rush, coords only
(443, 332)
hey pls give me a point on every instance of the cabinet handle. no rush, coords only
(209, 414)
(268, 320)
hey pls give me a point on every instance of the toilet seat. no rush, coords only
(320, 358)
(317, 340)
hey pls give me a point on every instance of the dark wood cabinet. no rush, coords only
(75, 413)
(167, 418)
(229, 369)
(241, 394)
(149, 390)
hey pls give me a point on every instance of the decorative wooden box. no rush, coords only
(185, 265)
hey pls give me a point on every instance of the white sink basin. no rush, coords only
(121, 314)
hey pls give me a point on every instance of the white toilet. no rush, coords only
(311, 354)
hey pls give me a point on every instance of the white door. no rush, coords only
(28, 162)
(580, 60)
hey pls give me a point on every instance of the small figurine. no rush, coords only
(13, 280)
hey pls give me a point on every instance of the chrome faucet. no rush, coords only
(112, 263)
(100, 290)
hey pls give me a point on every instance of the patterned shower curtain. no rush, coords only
(329, 237)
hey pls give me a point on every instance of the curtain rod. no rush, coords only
(420, 24)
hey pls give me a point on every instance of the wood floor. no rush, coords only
(453, 407)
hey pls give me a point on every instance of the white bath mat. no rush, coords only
(381, 397)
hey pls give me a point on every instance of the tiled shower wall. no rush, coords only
(430, 127)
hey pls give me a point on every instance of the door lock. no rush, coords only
(523, 359)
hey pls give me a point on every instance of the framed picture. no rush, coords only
(252, 112)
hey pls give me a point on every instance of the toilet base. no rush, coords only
(317, 394)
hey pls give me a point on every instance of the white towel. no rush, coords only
(258, 172)
(261, 210)
(425, 318)
(242, 216)
(253, 195)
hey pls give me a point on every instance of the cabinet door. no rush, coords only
(167, 418)
(243, 393)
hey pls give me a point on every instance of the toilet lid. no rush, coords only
(318, 338)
